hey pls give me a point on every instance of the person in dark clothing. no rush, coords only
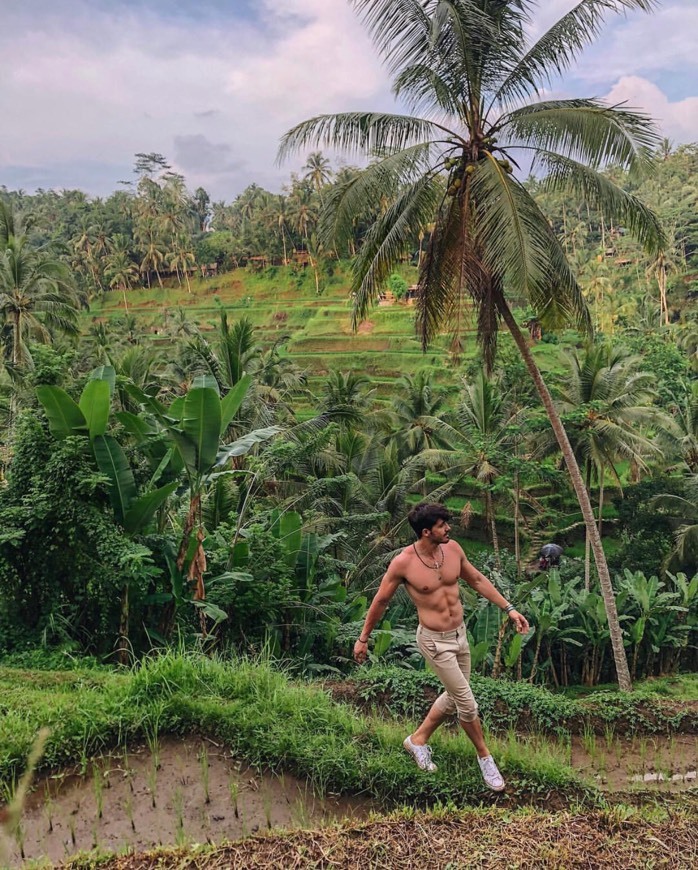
(549, 556)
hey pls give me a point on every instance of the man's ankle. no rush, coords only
(417, 740)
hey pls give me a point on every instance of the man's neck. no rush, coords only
(426, 547)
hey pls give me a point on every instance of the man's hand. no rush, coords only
(360, 651)
(519, 621)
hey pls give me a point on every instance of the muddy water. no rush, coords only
(657, 763)
(186, 791)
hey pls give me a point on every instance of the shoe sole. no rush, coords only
(494, 789)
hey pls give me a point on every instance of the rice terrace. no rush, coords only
(349, 434)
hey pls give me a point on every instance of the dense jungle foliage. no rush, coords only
(209, 488)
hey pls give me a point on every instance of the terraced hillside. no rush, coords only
(315, 330)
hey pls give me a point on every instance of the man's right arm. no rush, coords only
(389, 585)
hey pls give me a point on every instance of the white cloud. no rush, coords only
(677, 120)
(85, 83)
(214, 94)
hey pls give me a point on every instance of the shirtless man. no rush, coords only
(430, 569)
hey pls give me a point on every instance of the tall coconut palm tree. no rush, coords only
(477, 81)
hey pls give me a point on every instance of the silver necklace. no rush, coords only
(437, 565)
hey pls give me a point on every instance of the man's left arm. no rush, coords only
(477, 581)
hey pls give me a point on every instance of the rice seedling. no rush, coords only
(71, 826)
(266, 804)
(609, 734)
(642, 751)
(178, 803)
(589, 741)
(128, 806)
(48, 808)
(153, 782)
(234, 789)
(205, 773)
(98, 786)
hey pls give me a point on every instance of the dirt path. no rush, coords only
(454, 840)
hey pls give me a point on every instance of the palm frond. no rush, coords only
(616, 204)
(557, 49)
(439, 293)
(389, 237)
(520, 248)
(347, 202)
(424, 89)
(586, 130)
(400, 29)
(359, 133)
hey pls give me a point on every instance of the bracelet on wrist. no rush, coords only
(361, 640)
(509, 608)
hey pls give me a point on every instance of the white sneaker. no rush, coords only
(421, 754)
(490, 773)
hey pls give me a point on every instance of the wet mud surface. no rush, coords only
(186, 791)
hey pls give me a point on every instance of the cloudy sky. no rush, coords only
(213, 84)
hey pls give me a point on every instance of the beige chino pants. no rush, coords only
(448, 655)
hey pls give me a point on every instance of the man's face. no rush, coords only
(439, 532)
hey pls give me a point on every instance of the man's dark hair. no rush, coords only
(426, 515)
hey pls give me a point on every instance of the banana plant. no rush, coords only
(195, 426)
(319, 597)
(89, 418)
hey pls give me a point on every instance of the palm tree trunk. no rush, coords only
(16, 337)
(497, 665)
(122, 649)
(619, 655)
(493, 526)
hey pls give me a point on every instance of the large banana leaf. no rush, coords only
(201, 422)
(135, 425)
(176, 408)
(105, 373)
(286, 527)
(203, 381)
(94, 404)
(230, 403)
(245, 444)
(112, 462)
(148, 401)
(143, 509)
(64, 415)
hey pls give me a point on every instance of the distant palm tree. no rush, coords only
(37, 295)
(469, 68)
(607, 400)
(416, 404)
(317, 170)
(684, 512)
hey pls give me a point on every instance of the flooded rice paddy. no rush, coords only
(193, 791)
(185, 791)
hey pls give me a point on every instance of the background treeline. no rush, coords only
(205, 488)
